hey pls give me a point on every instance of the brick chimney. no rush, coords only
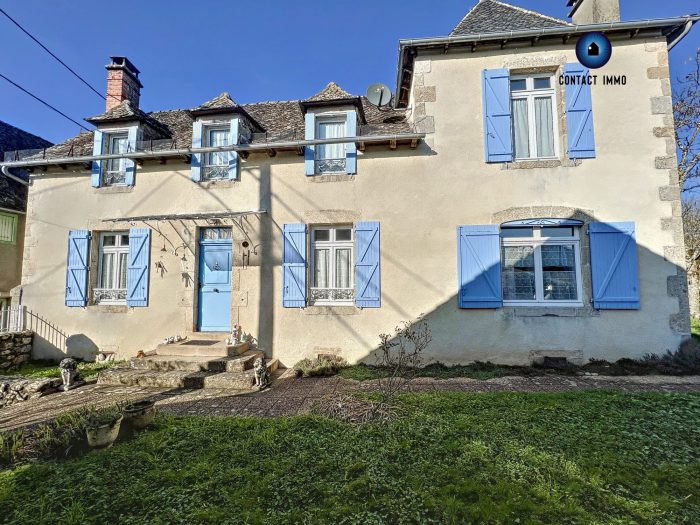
(594, 11)
(122, 83)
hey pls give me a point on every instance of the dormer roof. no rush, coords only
(223, 104)
(334, 95)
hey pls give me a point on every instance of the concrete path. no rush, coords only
(290, 395)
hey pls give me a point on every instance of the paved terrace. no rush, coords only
(290, 395)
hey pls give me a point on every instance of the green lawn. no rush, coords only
(695, 328)
(451, 458)
(41, 369)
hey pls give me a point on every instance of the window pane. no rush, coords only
(545, 127)
(125, 240)
(557, 232)
(508, 233)
(342, 268)
(321, 268)
(322, 235)
(543, 83)
(122, 270)
(343, 234)
(518, 85)
(109, 240)
(518, 276)
(559, 273)
(521, 129)
(330, 130)
(216, 233)
(106, 278)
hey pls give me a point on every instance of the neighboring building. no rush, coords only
(522, 217)
(13, 206)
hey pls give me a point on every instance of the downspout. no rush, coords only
(6, 172)
(686, 30)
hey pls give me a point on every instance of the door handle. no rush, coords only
(216, 290)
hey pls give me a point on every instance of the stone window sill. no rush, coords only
(331, 310)
(218, 184)
(108, 308)
(114, 189)
(335, 177)
(539, 311)
(539, 164)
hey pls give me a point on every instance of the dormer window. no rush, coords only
(114, 170)
(330, 158)
(216, 163)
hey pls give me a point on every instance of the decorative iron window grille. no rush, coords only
(215, 172)
(332, 294)
(330, 166)
(108, 295)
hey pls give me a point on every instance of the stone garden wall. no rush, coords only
(15, 349)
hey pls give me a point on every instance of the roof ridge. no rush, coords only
(465, 16)
(528, 11)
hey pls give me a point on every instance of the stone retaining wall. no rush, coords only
(16, 389)
(15, 349)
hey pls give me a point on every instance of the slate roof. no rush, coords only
(220, 102)
(492, 16)
(281, 120)
(13, 195)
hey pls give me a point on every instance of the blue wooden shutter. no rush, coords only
(579, 115)
(367, 267)
(233, 155)
(97, 140)
(309, 151)
(498, 134)
(351, 147)
(294, 266)
(77, 267)
(614, 266)
(132, 140)
(479, 263)
(137, 272)
(196, 162)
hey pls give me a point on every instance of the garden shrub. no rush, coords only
(320, 366)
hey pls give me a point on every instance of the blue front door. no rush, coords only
(215, 260)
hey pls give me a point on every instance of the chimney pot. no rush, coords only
(122, 83)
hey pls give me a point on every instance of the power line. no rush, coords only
(43, 102)
(50, 53)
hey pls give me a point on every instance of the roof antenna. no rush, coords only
(379, 95)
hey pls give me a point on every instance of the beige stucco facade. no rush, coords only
(419, 197)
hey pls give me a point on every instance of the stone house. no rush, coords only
(524, 214)
(13, 207)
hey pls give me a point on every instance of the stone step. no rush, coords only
(237, 380)
(202, 348)
(151, 378)
(189, 363)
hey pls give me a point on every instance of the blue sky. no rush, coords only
(191, 51)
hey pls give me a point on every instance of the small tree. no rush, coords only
(686, 112)
(691, 227)
(401, 354)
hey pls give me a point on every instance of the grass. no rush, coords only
(45, 369)
(695, 328)
(450, 458)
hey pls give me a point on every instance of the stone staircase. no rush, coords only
(202, 360)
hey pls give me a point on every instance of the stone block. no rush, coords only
(661, 105)
(669, 193)
(425, 125)
(658, 72)
(425, 94)
(665, 163)
(665, 131)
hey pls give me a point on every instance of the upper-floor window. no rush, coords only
(541, 266)
(8, 228)
(114, 171)
(330, 158)
(216, 162)
(534, 123)
(332, 265)
(112, 268)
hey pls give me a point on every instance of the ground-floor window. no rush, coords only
(332, 265)
(541, 266)
(112, 268)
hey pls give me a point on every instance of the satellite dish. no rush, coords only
(379, 95)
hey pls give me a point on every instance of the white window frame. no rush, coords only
(330, 118)
(332, 245)
(530, 94)
(108, 164)
(100, 293)
(207, 128)
(537, 241)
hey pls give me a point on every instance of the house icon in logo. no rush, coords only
(593, 50)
